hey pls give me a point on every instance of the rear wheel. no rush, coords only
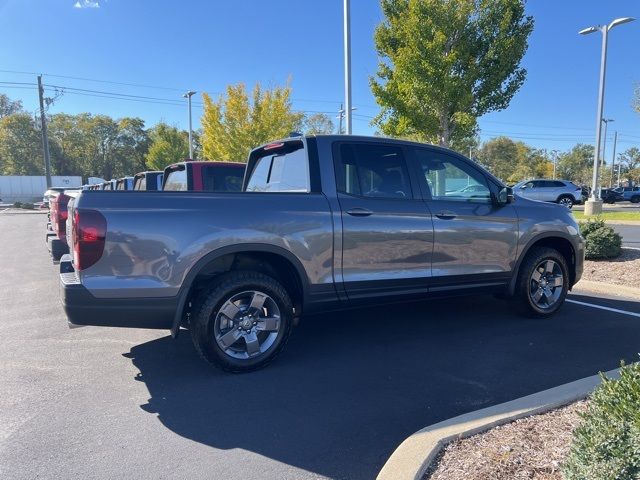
(543, 282)
(566, 200)
(242, 322)
(635, 199)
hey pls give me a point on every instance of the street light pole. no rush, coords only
(593, 206)
(347, 67)
(188, 96)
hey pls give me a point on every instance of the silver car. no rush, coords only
(563, 192)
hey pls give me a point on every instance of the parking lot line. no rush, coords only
(602, 307)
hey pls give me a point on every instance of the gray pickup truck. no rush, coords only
(321, 223)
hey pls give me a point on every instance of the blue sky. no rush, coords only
(205, 45)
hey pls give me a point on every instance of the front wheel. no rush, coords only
(635, 199)
(566, 200)
(543, 282)
(242, 322)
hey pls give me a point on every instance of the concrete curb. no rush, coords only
(413, 457)
(622, 222)
(607, 289)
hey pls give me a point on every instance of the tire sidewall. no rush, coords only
(567, 197)
(204, 332)
(525, 277)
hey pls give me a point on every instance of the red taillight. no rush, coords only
(88, 230)
(273, 146)
(59, 214)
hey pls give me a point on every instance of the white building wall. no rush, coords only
(15, 188)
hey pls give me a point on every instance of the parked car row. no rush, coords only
(237, 254)
(184, 176)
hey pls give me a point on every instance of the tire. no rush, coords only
(566, 200)
(635, 199)
(227, 329)
(551, 298)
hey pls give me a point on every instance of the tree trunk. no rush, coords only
(445, 131)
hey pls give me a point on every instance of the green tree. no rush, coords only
(444, 63)
(577, 164)
(8, 106)
(630, 159)
(318, 124)
(20, 146)
(66, 142)
(234, 124)
(133, 143)
(168, 145)
(514, 161)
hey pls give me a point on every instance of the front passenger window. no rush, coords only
(451, 179)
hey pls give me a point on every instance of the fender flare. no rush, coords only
(525, 251)
(230, 249)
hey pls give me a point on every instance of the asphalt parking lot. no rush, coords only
(115, 403)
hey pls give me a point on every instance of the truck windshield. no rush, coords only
(141, 183)
(177, 180)
(281, 172)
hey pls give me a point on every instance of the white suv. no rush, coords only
(563, 192)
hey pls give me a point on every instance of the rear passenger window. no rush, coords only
(281, 172)
(222, 179)
(369, 170)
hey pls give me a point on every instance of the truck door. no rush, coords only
(474, 239)
(387, 233)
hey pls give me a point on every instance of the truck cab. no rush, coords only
(204, 176)
(124, 183)
(149, 180)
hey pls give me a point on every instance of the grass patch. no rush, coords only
(610, 215)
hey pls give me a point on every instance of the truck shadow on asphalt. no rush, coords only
(351, 386)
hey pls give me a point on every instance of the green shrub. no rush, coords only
(17, 205)
(606, 445)
(591, 225)
(28, 206)
(602, 241)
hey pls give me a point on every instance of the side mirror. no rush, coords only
(505, 196)
(522, 187)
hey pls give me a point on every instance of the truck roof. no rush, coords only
(208, 162)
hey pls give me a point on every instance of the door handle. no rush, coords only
(359, 212)
(446, 215)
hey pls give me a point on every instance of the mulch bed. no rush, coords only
(624, 270)
(529, 448)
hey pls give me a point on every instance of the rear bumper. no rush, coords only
(82, 308)
(56, 247)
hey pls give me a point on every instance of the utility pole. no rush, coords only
(347, 67)
(188, 96)
(613, 162)
(554, 156)
(45, 137)
(604, 141)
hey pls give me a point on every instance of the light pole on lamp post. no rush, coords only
(341, 116)
(593, 206)
(347, 67)
(188, 96)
